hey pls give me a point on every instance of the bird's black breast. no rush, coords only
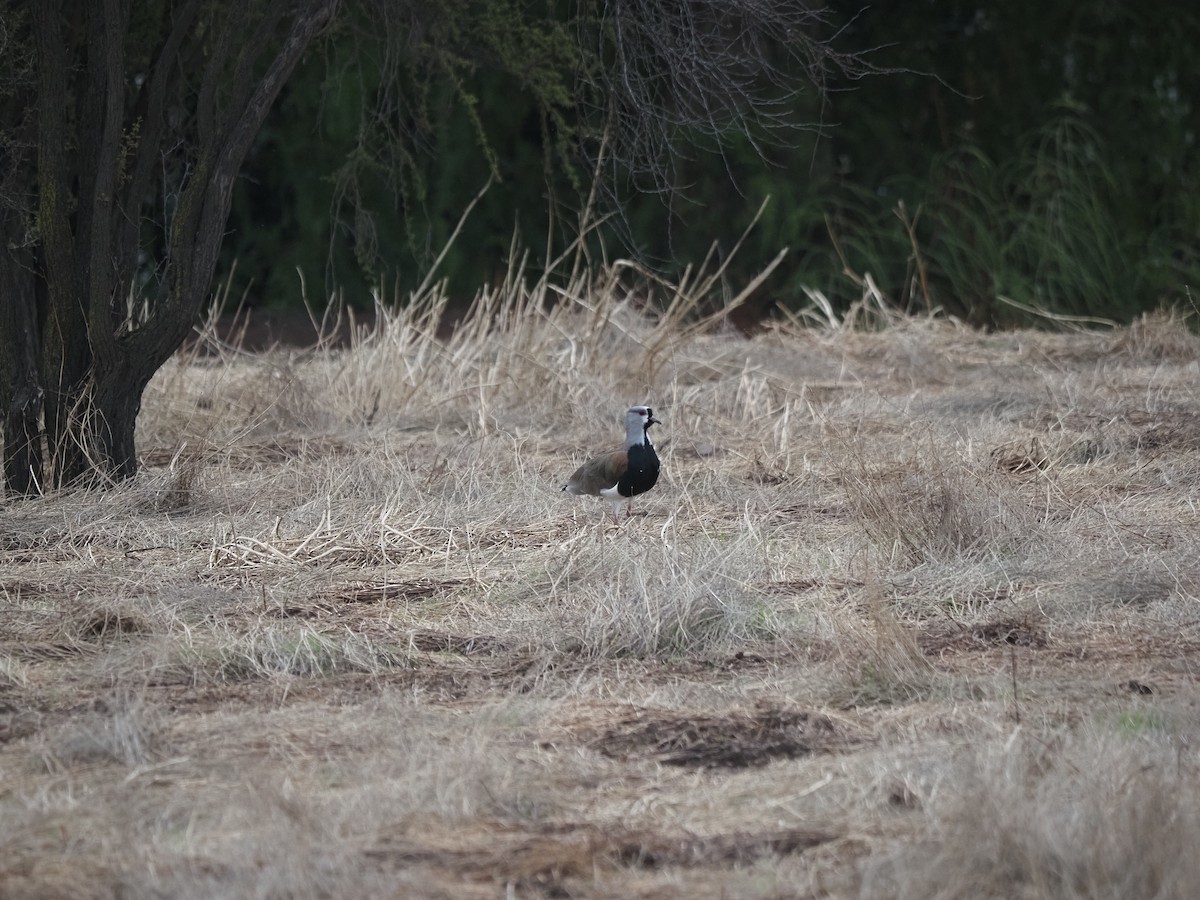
(642, 472)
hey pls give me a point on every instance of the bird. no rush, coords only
(622, 474)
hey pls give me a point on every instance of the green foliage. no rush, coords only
(1141, 723)
(375, 150)
(1041, 229)
(1042, 226)
(1049, 161)
(1043, 152)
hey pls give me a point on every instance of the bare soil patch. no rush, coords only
(735, 740)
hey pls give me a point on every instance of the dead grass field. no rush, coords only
(912, 613)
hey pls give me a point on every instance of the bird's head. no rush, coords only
(638, 421)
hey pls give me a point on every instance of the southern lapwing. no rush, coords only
(621, 474)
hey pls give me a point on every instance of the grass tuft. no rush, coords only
(121, 729)
(659, 598)
(933, 507)
(270, 651)
(1093, 817)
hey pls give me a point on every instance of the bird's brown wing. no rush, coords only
(599, 473)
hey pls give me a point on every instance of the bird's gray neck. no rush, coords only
(637, 436)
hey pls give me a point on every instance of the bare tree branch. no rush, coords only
(708, 69)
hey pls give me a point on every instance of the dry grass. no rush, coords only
(913, 612)
(1087, 816)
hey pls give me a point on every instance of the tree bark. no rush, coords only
(113, 406)
(64, 354)
(20, 387)
(73, 363)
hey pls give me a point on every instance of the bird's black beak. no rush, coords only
(650, 420)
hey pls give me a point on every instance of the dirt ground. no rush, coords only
(912, 613)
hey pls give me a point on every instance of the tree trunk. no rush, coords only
(20, 388)
(116, 399)
(113, 136)
(66, 360)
